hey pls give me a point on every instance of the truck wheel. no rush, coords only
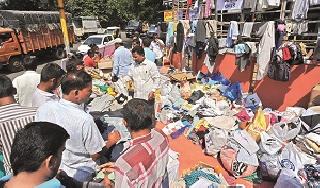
(60, 53)
(15, 64)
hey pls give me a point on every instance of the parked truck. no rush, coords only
(85, 26)
(26, 33)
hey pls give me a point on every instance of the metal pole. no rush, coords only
(63, 23)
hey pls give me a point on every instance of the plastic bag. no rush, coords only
(252, 101)
(233, 92)
(220, 79)
(269, 166)
(291, 160)
(286, 131)
(258, 125)
(214, 140)
(269, 144)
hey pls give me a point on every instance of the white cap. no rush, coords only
(118, 40)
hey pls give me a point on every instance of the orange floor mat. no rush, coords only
(191, 155)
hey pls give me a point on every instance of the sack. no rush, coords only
(279, 70)
(269, 166)
(228, 159)
(258, 125)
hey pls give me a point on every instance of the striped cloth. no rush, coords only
(12, 118)
(144, 163)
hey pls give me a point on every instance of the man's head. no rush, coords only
(138, 54)
(77, 87)
(51, 75)
(146, 42)
(6, 87)
(74, 65)
(138, 115)
(30, 65)
(90, 53)
(135, 42)
(118, 42)
(38, 148)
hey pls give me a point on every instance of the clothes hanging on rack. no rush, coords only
(300, 10)
(314, 2)
(211, 26)
(207, 9)
(200, 34)
(169, 34)
(266, 45)
(233, 32)
(247, 29)
(180, 37)
(250, 4)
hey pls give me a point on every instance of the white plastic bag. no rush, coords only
(269, 144)
(286, 131)
(291, 160)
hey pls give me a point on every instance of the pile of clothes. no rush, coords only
(233, 126)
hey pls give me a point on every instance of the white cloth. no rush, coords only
(155, 47)
(267, 43)
(85, 138)
(300, 10)
(247, 28)
(314, 2)
(40, 97)
(145, 77)
(26, 85)
(274, 3)
(233, 32)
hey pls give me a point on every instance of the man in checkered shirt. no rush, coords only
(144, 163)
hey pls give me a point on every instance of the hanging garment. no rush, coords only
(266, 45)
(250, 4)
(186, 26)
(200, 34)
(180, 37)
(314, 2)
(273, 3)
(247, 28)
(207, 9)
(211, 26)
(233, 32)
(300, 10)
(169, 33)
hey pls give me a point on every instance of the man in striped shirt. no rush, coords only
(144, 160)
(12, 118)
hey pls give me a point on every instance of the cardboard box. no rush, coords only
(315, 96)
(105, 63)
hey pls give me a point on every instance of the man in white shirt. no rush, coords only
(79, 158)
(50, 79)
(144, 74)
(157, 46)
(26, 84)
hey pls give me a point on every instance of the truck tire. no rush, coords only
(60, 53)
(15, 64)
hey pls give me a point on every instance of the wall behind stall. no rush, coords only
(275, 94)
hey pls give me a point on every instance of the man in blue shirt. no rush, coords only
(149, 54)
(36, 155)
(122, 59)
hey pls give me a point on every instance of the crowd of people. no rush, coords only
(48, 138)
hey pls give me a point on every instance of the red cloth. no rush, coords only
(189, 2)
(143, 164)
(88, 61)
(286, 55)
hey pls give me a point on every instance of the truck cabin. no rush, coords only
(5, 36)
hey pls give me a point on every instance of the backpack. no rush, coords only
(213, 48)
(279, 69)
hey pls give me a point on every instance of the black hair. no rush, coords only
(50, 71)
(75, 81)
(90, 51)
(6, 87)
(137, 41)
(71, 65)
(34, 143)
(139, 114)
(139, 50)
(146, 42)
(30, 65)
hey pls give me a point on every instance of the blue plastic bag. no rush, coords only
(233, 92)
(219, 78)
